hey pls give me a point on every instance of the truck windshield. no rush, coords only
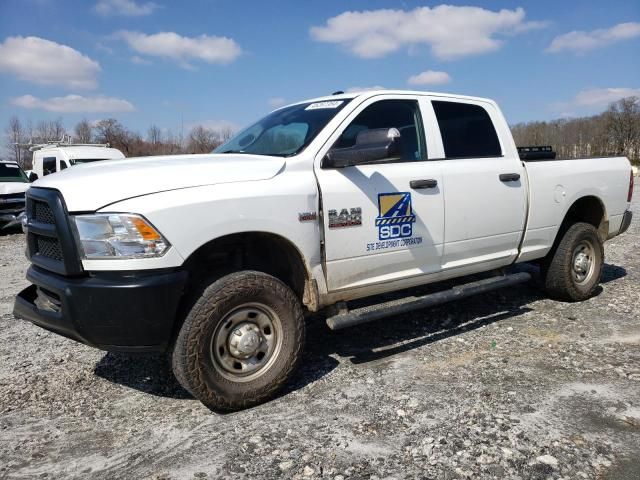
(284, 132)
(10, 172)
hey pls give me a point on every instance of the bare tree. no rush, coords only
(83, 131)
(154, 135)
(225, 133)
(15, 137)
(110, 131)
(623, 125)
(614, 132)
(49, 130)
(202, 140)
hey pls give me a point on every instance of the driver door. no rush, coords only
(384, 220)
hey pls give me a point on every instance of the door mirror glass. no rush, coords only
(33, 177)
(370, 146)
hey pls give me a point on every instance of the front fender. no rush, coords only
(192, 217)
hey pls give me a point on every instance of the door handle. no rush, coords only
(429, 183)
(509, 177)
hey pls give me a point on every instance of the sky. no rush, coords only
(177, 64)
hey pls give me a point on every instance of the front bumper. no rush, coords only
(116, 311)
(626, 221)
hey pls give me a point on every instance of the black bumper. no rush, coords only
(119, 311)
(626, 221)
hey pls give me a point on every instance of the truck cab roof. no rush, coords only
(364, 94)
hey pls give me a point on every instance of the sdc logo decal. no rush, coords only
(395, 218)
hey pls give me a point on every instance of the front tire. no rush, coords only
(572, 271)
(240, 342)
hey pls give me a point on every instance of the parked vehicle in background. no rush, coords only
(320, 202)
(13, 185)
(54, 157)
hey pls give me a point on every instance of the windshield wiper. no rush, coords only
(232, 151)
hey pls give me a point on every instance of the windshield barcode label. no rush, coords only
(329, 104)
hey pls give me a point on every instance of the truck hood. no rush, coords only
(92, 186)
(13, 187)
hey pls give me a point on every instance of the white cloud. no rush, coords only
(139, 60)
(44, 62)
(364, 89)
(276, 102)
(74, 104)
(603, 96)
(170, 45)
(126, 8)
(451, 31)
(430, 77)
(580, 41)
(595, 98)
(104, 48)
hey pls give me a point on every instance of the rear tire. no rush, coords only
(572, 270)
(240, 342)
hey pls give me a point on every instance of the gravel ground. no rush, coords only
(504, 385)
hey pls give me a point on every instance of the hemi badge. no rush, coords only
(307, 216)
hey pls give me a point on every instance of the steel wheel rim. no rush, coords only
(246, 342)
(583, 262)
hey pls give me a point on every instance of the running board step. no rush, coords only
(408, 304)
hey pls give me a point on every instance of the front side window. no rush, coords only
(403, 115)
(466, 130)
(49, 165)
(285, 132)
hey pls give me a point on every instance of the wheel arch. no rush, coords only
(589, 209)
(262, 251)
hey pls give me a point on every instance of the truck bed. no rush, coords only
(554, 186)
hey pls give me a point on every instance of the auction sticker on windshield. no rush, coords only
(328, 104)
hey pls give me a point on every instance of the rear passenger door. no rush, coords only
(484, 191)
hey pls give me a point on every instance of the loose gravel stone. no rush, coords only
(507, 385)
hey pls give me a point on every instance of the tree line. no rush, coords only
(616, 131)
(19, 136)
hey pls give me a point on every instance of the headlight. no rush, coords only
(118, 235)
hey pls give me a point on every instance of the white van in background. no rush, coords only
(53, 157)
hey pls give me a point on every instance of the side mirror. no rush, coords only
(371, 146)
(33, 177)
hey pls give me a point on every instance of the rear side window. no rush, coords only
(466, 130)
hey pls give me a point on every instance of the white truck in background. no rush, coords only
(319, 203)
(54, 157)
(13, 185)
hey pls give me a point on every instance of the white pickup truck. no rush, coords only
(13, 184)
(320, 202)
